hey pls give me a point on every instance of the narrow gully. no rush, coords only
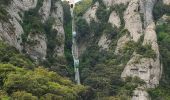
(75, 48)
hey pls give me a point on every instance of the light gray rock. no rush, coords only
(133, 21)
(163, 20)
(144, 68)
(7, 34)
(45, 10)
(114, 19)
(11, 31)
(36, 46)
(57, 11)
(121, 43)
(104, 42)
(109, 3)
(91, 13)
(147, 69)
(167, 2)
(57, 14)
(140, 94)
(23, 4)
(147, 6)
(150, 38)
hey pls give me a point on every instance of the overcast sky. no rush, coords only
(75, 0)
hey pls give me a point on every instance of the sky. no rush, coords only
(75, 1)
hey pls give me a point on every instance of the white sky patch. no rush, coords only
(74, 0)
(77, 1)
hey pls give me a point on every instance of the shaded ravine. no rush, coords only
(75, 50)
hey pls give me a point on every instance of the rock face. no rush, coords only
(36, 46)
(132, 20)
(57, 14)
(91, 13)
(104, 42)
(144, 68)
(150, 38)
(140, 94)
(114, 19)
(114, 2)
(121, 42)
(11, 32)
(167, 2)
(148, 69)
(163, 20)
(139, 22)
(45, 10)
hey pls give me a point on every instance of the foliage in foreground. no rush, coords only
(37, 83)
(21, 80)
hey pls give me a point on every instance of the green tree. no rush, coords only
(82, 28)
(81, 7)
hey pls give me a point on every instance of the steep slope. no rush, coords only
(123, 46)
(162, 12)
(24, 27)
(33, 35)
(120, 41)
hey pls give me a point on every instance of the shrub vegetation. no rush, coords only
(20, 79)
(162, 91)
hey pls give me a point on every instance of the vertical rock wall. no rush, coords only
(11, 31)
(139, 22)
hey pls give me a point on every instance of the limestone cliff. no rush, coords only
(11, 31)
(137, 20)
(117, 41)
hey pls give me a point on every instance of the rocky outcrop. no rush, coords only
(147, 69)
(45, 10)
(140, 94)
(36, 46)
(11, 31)
(109, 3)
(114, 19)
(139, 22)
(91, 13)
(57, 14)
(152, 67)
(132, 20)
(163, 20)
(104, 42)
(144, 68)
(121, 42)
(167, 2)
